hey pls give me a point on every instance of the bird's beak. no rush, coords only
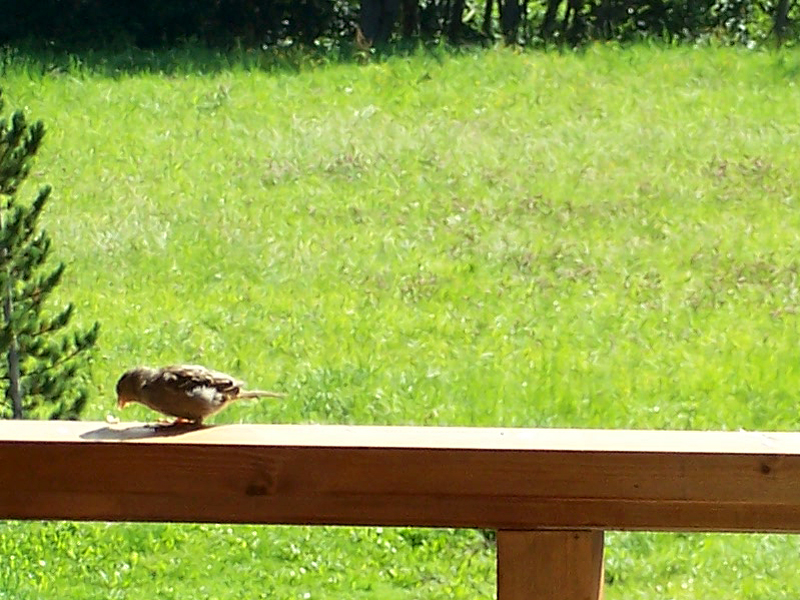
(121, 402)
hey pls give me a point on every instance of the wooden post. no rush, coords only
(549, 565)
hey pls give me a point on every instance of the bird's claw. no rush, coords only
(178, 423)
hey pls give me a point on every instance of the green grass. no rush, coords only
(600, 239)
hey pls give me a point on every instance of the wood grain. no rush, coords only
(549, 565)
(517, 479)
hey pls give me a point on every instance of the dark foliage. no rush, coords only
(149, 23)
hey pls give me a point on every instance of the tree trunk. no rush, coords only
(509, 19)
(14, 391)
(14, 383)
(14, 378)
(781, 19)
(575, 29)
(456, 18)
(549, 21)
(487, 18)
(377, 19)
(410, 18)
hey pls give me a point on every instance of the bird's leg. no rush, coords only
(177, 422)
(183, 423)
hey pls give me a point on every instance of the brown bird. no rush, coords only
(189, 392)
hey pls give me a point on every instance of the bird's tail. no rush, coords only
(249, 394)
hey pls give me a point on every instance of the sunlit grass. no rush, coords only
(604, 239)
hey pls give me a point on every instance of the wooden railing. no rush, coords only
(549, 493)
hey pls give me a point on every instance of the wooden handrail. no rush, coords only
(541, 488)
(414, 476)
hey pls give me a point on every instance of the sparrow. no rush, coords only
(189, 392)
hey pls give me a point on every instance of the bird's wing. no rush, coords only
(187, 378)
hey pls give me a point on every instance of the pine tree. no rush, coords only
(43, 365)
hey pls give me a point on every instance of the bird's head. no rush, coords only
(129, 387)
(123, 401)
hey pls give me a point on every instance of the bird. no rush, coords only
(188, 392)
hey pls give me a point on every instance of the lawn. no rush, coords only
(608, 238)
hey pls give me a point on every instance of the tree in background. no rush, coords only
(329, 23)
(44, 367)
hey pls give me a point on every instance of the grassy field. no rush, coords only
(608, 238)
